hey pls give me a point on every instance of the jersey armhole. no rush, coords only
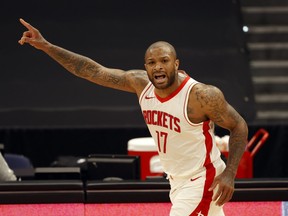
(147, 87)
(186, 104)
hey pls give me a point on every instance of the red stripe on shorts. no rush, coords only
(203, 208)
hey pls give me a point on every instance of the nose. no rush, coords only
(158, 66)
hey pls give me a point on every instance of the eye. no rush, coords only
(165, 60)
(150, 63)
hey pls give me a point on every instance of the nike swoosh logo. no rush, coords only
(147, 97)
(193, 179)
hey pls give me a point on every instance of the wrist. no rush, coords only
(46, 46)
(231, 171)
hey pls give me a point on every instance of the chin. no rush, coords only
(161, 86)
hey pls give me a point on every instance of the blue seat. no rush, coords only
(17, 161)
(20, 164)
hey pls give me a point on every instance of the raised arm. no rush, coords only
(212, 105)
(84, 67)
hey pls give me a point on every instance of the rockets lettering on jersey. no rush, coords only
(163, 119)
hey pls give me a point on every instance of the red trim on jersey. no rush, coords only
(142, 95)
(162, 100)
(186, 105)
(204, 205)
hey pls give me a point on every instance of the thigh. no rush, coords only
(191, 197)
(191, 200)
(186, 196)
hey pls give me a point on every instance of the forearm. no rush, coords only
(78, 65)
(237, 146)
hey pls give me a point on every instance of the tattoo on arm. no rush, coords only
(75, 63)
(218, 110)
(84, 67)
(237, 145)
(111, 78)
(212, 101)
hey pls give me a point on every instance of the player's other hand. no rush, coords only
(224, 185)
(32, 36)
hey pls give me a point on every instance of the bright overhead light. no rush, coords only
(245, 28)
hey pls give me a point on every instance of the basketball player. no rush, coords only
(180, 113)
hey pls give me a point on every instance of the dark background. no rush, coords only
(35, 91)
(46, 112)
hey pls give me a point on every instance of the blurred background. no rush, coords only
(239, 46)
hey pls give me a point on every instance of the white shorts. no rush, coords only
(190, 196)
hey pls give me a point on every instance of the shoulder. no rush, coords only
(206, 93)
(211, 104)
(204, 100)
(138, 79)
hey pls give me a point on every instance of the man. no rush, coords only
(180, 114)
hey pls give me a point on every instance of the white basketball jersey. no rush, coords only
(184, 148)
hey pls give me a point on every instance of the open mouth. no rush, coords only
(160, 78)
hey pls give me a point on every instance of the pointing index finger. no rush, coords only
(27, 25)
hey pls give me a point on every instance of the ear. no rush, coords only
(177, 63)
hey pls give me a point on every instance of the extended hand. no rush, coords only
(32, 36)
(225, 188)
